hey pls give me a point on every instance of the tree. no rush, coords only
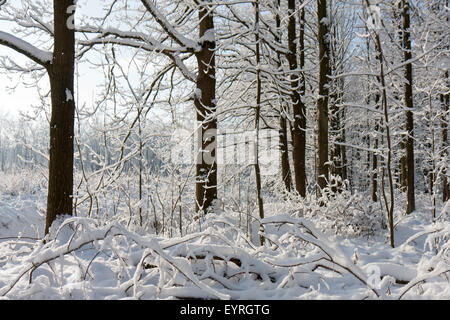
(298, 131)
(284, 146)
(60, 69)
(322, 101)
(341, 31)
(257, 117)
(409, 104)
(445, 101)
(374, 33)
(60, 183)
(204, 100)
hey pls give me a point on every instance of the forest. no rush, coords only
(224, 149)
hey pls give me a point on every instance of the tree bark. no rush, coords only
(284, 149)
(61, 74)
(409, 142)
(375, 156)
(298, 130)
(444, 126)
(322, 101)
(285, 166)
(336, 111)
(204, 101)
(257, 116)
(445, 100)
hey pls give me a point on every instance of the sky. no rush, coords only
(16, 94)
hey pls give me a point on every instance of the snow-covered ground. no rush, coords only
(86, 258)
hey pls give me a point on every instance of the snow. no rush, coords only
(325, 21)
(208, 36)
(69, 95)
(188, 43)
(87, 258)
(40, 56)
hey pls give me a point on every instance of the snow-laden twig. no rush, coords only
(213, 263)
(439, 264)
(304, 230)
(90, 233)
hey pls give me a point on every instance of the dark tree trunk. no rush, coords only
(409, 141)
(445, 98)
(343, 150)
(284, 149)
(335, 152)
(336, 124)
(322, 102)
(375, 171)
(402, 168)
(444, 126)
(375, 156)
(299, 110)
(257, 116)
(285, 166)
(337, 128)
(390, 207)
(204, 100)
(61, 73)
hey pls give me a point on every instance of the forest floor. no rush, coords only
(91, 259)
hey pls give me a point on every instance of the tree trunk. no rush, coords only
(204, 100)
(284, 149)
(335, 152)
(387, 162)
(336, 124)
(375, 171)
(285, 166)
(61, 74)
(322, 101)
(390, 208)
(343, 149)
(409, 142)
(444, 126)
(257, 116)
(299, 110)
(445, 99)
(402, 168)
(375, 156)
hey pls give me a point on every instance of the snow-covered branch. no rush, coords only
(41, 57)
(169, 29)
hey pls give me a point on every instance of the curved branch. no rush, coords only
(168, 28)
(44, 58)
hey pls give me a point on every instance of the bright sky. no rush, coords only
(23, 96)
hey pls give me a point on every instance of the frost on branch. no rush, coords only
(81, 254)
